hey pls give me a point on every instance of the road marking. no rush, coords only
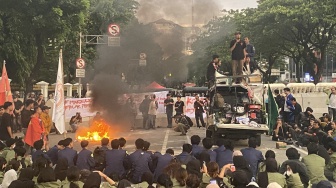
(165, 142)
(299, 149)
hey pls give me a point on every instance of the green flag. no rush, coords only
(273, 112)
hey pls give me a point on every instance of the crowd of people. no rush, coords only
(200, 164)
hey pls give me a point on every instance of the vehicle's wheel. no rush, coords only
(258, 138)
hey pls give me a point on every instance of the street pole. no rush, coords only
(80, 56)
(326, 60)
(332, 64)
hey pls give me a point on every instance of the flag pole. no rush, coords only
(61, 57)
(2, 77)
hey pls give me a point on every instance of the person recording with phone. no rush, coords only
(237, 48)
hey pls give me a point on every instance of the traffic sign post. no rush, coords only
(80, 63)
(113, 30)
(113, 41)
(80, 73)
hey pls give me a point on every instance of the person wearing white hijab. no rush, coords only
(9, 176)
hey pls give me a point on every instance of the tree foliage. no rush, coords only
(32, 32)
(299, 29)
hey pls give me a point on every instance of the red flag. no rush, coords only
(5, 90)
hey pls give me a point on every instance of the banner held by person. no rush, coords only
(58, 113)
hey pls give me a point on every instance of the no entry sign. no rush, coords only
(113, 30)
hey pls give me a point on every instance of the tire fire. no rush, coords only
(98, 130)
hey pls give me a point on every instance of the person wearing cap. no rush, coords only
(304, 118)
(237, 48)
(47, 123)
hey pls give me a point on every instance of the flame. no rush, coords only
(98, 130)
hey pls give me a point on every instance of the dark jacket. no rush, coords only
(253, 157)
(85, 160)
(224, 156)
(299, 167)
(26, 183)
(213, 155)
(184, 158)
(25, 117)
(322, 152)
(250, 50)
(211, 70)
(69, 154)
(144, 106)
(38, 153)
(141, 163)
(303, 119)
(296, 110)
(196, 149)
(114, 161)
(162, 162)
(280, 100)
(53, 154)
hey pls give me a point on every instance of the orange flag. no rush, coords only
(5, 90)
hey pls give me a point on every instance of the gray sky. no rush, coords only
(179, 11)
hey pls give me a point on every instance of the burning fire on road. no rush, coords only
(98, 130)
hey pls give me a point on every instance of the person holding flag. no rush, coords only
(58, 112)
(273, 112)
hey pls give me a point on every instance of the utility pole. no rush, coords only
(80, 56)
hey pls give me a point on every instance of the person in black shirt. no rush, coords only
(17, 112)
(179, 106)
(6, 122)
(280, 100)
(26, 114)
(212, 67)
(198, 106)
(169, 103)
(237, 48)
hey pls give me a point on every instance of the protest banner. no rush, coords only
(81, 105)
(139, 97)
(189, 106)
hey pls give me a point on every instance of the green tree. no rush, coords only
(303, 26)
(30, 28)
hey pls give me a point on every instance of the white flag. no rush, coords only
(58, 113)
